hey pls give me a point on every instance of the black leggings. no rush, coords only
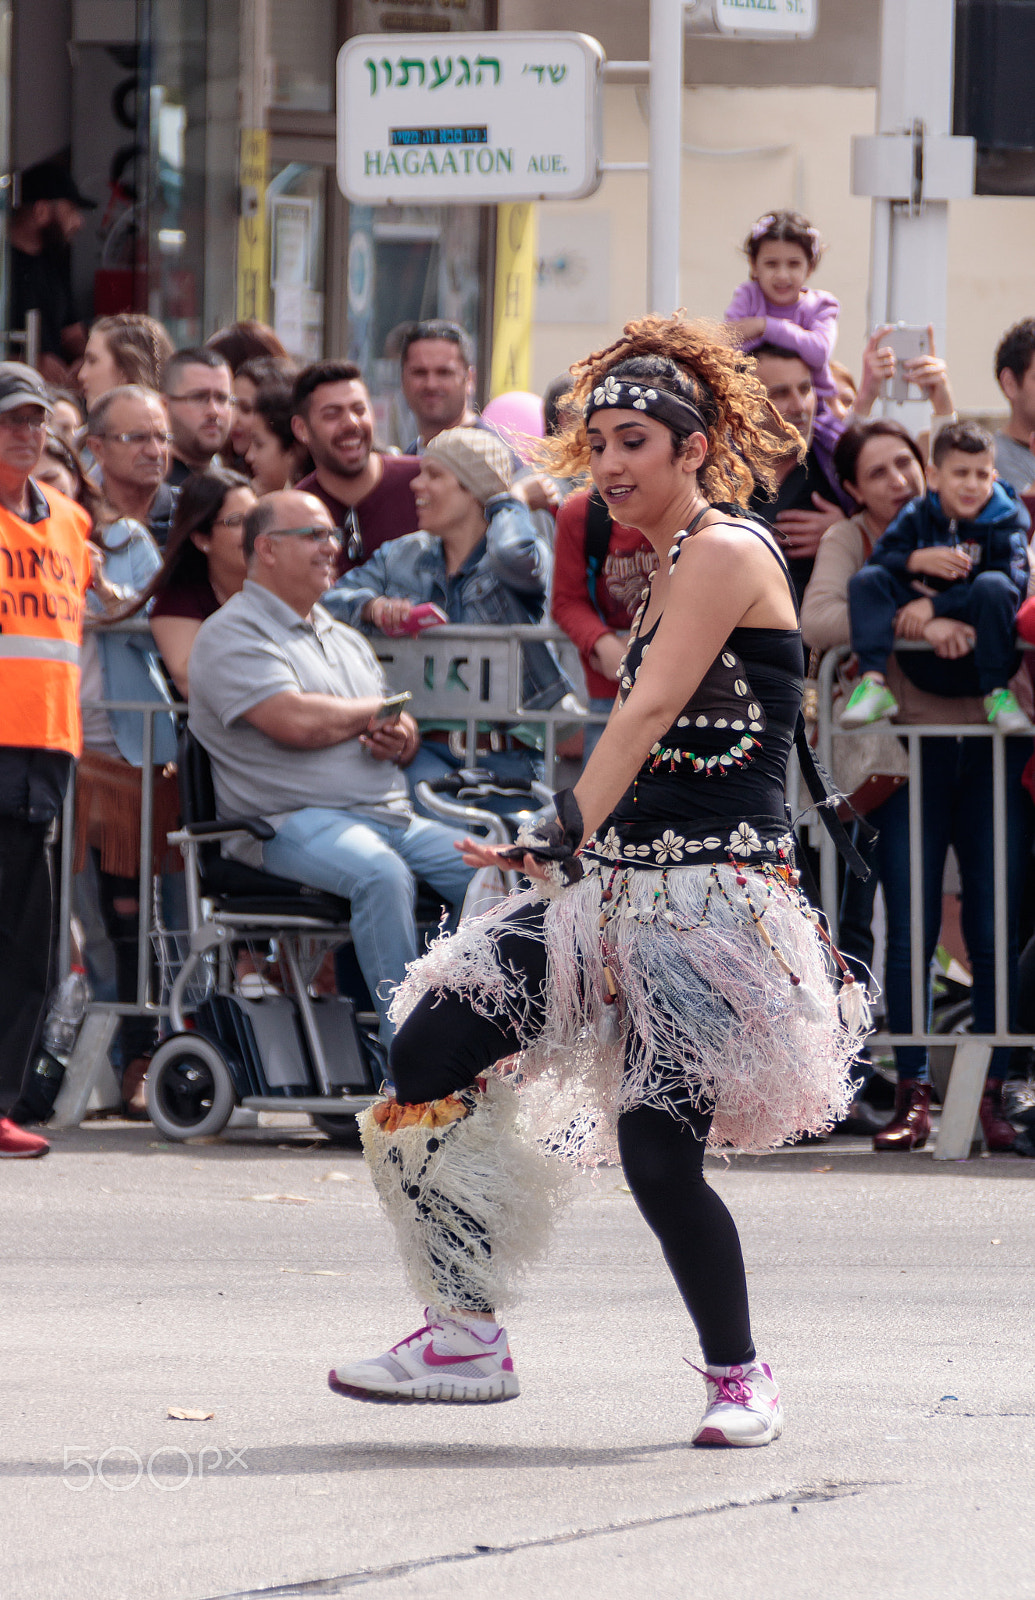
(444, 1044)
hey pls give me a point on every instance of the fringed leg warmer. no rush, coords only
(468, 1194)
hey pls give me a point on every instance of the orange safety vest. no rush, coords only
(44, 572)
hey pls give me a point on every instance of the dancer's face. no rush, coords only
(635, 467)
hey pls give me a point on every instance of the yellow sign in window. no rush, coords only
(515, 298)
(252, 245)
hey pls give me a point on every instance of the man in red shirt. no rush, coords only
(596, 608)
(368, 494)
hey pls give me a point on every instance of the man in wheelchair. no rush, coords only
(294, 712)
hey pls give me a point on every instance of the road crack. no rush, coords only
(807, 1494)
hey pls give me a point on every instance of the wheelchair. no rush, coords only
(290, 1049)
(279, 1051)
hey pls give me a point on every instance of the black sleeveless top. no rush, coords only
(713, 788)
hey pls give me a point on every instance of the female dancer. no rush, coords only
(662, 981)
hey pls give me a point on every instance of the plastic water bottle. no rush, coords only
(65, 1017)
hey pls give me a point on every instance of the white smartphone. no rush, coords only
(907, 339)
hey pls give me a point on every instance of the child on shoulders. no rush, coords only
(773, 305)
(960, 550)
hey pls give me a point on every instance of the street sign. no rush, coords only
(753, 19)
(475, 118)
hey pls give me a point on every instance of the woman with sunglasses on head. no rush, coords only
(203, 564)
(663, 983)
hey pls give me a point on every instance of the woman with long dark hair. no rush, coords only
(203, 564)
(663, 983)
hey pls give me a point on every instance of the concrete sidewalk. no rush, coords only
(893, 1296)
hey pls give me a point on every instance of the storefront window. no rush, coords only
(406, 263)
(297, 206)
(303, 45)
(191, 47)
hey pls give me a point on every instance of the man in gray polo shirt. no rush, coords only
(287, 703)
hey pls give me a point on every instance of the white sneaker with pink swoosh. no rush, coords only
(445, 1360)
(743, 1406)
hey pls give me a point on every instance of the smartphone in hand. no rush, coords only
(907, 339)
(422, 617)
(391, 706)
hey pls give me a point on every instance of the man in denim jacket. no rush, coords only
(478, 556)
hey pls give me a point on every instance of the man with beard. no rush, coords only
(199, 396)
(807, 502)
(367, 494)
(42, 228)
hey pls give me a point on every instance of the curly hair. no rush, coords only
(699, 362)
(1015, 349)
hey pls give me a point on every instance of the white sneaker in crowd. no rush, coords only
(444, 1360)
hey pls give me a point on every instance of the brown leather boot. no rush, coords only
(911, 1122)
(999, 1134)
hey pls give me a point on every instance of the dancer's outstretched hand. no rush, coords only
(477, 853)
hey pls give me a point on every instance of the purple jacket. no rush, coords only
(809, 328)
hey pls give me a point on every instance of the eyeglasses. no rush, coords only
(204, 397)
(314, 535)
(234, 520)
(26, 424)
(136, 439)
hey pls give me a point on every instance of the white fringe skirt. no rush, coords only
(707, 984)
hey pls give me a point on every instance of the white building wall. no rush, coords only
(748, 150)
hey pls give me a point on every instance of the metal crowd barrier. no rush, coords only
(468, 675)
(959, 1125)
(473, 676)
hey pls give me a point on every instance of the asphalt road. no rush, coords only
(893, 1296)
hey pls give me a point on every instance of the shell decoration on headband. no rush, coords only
(609, 393)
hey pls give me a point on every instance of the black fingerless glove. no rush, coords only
(555, 841)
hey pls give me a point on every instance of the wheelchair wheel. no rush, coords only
(339, 1130)
(190, 1092)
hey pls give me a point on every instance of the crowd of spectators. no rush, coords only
(240, 503)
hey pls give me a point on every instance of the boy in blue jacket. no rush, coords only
(959, 551)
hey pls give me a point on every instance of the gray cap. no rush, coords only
(22, 386)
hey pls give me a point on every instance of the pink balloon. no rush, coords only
(516, 417)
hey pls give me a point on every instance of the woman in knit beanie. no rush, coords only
(480, 557)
